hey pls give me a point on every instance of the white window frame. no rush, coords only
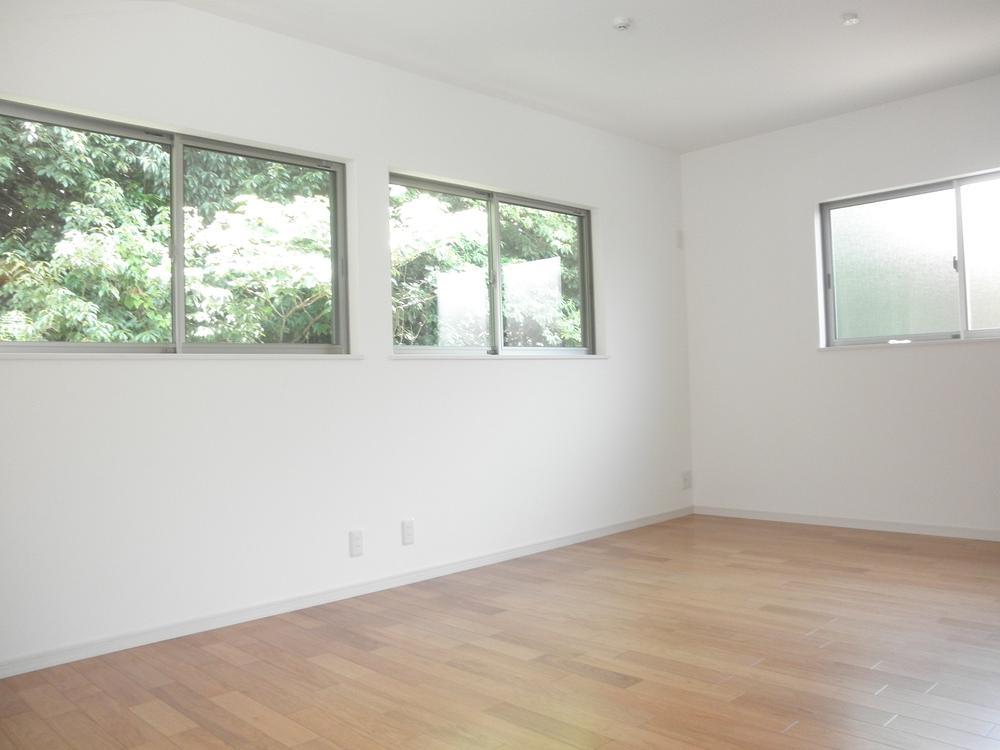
(829, 281)
(496, 345)
(175, 144)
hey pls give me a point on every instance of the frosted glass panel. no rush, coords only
(893, 267)
(981, 234)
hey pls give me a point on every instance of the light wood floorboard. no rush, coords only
(700, 633)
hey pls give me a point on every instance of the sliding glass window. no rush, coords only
(116, 239)
(915, 264)
(440, 268)
(476, 272)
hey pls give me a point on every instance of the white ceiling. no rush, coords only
(690, 73)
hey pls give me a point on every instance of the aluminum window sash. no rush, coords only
(338, 254)
(966, 302)
(439, 351)
(61, 347)
(587, 286)
(495, 276)
(103, 127)
(586, 261)
(983, 333)
(889, 195)
(963, 291)
(223, 348)
(451, 188)
(829, 299)
(830, 280)
(254, 152)
(434, 186)
(495, 281)
(84, 347)
(177, 294)
(80, 122)
(341, 306)
(559, 208)
(984, 177)
(546, 351)
(901, 338)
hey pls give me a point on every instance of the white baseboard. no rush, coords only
(67, 654)
(958, 532)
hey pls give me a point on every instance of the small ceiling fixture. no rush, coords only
(850, 19)
(622, 23)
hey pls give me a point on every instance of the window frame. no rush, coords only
(828, 280)
(496, 347)
(175, 143)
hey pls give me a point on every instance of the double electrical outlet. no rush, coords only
(356, 538)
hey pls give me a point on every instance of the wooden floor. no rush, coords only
(697, 633)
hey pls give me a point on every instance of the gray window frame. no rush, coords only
(496, 346)
(829, 281)
(175, 144)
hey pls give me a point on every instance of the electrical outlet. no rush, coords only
(408, 531)
(357, 542)
(687, 479)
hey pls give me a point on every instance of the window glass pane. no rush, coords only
(541, 254)
(257, 247)
(893, 266)
(440, 260)
(84, 236)
(981, 238)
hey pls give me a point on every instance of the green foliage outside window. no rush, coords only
(85, 237)
(85, 230)
(531, 317)
(540, 254)
(257, 250)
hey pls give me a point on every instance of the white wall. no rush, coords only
(140, 492)
(890, 434)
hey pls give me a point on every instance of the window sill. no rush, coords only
(169, 356)
(917, 343)
(447, 356)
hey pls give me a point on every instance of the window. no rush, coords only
(541, 262)
(258, 239)
(981, 250)
(916, 264)
(84, 236)
(440, 268)
(478, 272)
(117, 239)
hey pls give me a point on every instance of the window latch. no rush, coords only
(954, 262)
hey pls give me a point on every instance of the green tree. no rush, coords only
(260, 272)
(83, 236)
